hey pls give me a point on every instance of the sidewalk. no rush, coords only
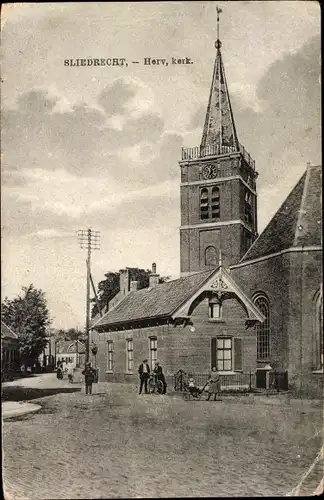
(14, 408)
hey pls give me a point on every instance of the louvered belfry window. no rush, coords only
(248, 208)
(210, 203)
(215, 203)
(204, 204)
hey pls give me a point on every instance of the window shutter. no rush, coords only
(213, 351)
(238, 354)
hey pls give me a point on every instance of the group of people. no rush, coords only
(144, 372)
(89, 374)
(65, 368)
(212, 386)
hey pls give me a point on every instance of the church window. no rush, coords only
(263, 329)
(204, 205)
(319, 341)
(210, 256)
(130, 355)
(248, 207)
(215, 203)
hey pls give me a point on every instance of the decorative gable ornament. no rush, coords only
(223, 285)
(218, 284)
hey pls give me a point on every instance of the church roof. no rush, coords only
(7, 332)
(219, 129)
(298, 222)
(156, 302)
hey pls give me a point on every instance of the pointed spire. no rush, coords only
(220, 258)
(219, 129)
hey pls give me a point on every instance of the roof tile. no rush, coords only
(302, 208)
(157, 302)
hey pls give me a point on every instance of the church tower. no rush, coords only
(218, 187)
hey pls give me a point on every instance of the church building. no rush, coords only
(244, 302)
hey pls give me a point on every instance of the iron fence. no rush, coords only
(201, 152)
(238, 382)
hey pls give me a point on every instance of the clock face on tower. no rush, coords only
(210, 171)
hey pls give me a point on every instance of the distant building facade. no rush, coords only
(10, 357)
(72, 351)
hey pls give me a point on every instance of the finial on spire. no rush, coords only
(220, 258)
(218, 43)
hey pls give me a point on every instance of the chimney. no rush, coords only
(124, 281)
(154, 277)
(134, 285)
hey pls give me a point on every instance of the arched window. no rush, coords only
(263, 329)
(318, 331)
(215, 203)
(210, 256)
(204, 205)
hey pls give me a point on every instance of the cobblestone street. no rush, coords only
(116, 443)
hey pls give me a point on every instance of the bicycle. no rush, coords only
(155, 386)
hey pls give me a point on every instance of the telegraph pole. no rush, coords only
(89, 240)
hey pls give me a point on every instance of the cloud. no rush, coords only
(114, 97)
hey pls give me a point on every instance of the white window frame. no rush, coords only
(215, 312)
(129, 357)
(153, 348)
(110, 356)
(220, 360)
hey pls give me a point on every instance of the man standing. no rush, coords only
(89, 377)
(160, 375)
(144, 372)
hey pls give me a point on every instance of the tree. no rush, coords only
(70, 334)
(28, 316)
(108, 288)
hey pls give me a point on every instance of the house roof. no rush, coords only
(69, 346)
(7, 332)
(174, 299)
(298, 222)
(157, 302)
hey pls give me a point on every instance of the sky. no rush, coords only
(99, 146)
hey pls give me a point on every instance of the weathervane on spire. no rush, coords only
(218, 43)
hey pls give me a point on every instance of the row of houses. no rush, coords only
(56, 351)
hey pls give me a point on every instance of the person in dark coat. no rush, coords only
(59, 371)
(89, 377)
(144, 373)
(160, 376)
